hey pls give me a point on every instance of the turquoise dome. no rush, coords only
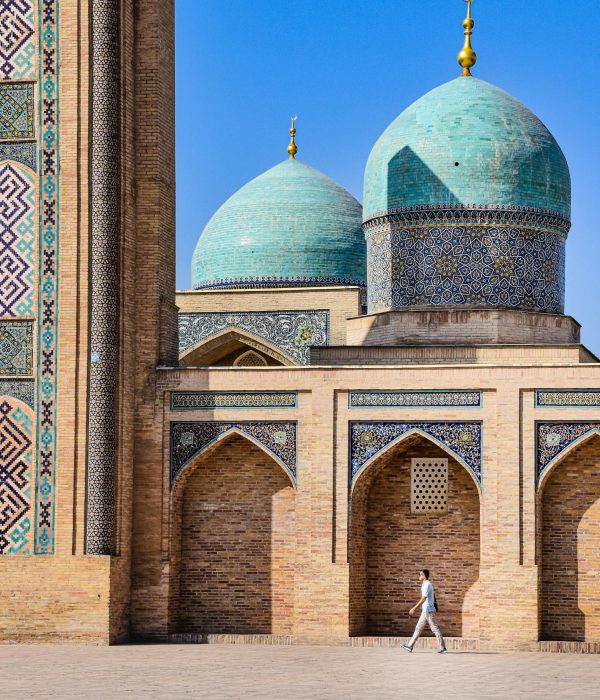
(467, 143)
(290, 226)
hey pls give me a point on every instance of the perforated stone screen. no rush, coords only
(429, 486)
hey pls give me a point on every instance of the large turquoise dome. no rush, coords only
(469, 143)
(290, 226)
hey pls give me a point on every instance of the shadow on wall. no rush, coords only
(408, 173)
(570, 533)
(233, 544)
(389, 545)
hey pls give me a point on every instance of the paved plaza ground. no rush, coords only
(289, 673)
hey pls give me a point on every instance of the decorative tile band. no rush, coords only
(470, 214)
(194, 400)
(417, 399)
(17, 240)
(16, 478)
(23, 152)
(572, 398)
(554, 438)
(48, 115)
(190, 439)
(16, 110)
(278, 282)
(293, 332)
(100, 536)
(473, 266)
(21, 389)
(17, 44)
(462, 440)
(16, 347)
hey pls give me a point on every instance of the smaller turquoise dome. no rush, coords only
(466, 143)
(290, 226)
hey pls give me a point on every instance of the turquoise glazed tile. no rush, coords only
(291, 226)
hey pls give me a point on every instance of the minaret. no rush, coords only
(467, 58)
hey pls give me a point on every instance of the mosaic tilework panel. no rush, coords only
(21, 389)
(291, 331)
(465, 265)
(582, 398)
(553, 438)
(17, 41)
(16, 111)
(419, 399)
(24, 153)
(49, 196)
(194, 400)
(16, 347)
(188, 439)
(17, 240)
(462, 439)
(16, 453)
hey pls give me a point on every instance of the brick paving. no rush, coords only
(294, 672)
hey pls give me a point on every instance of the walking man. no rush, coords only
(428, 610)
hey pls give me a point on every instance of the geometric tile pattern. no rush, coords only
(16, 347)
(23, 152)
(194, 400)
(17, 240)
(553, 438)
(418, 399)
(278, 438)
(16, 111)
(583, 398)
(21, 389)
(468, 264)
(463, 440)
(16, 448)
(17, 45)
(291, 331)
(47, 312)
(104, 326)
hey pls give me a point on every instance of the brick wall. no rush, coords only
(570, 506)
(389, 545)
(237, 544)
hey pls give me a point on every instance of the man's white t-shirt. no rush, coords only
(427, 593)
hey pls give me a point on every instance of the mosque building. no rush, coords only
(348, 394)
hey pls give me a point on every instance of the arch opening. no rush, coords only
(568, 536)
(232, 548)
(391, 539)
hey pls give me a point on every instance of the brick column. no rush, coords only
(105, 235)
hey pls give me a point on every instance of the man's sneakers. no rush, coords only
(405, 646)
(443, 651)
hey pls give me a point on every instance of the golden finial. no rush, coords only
(467, 58)
(292, 149)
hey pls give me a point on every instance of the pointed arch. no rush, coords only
(407, 436)
(208, 348)
(592, 433)
(190, 465)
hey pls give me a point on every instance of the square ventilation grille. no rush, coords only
(429, 486)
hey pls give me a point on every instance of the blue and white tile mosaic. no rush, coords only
(416, 399)
(21, 389)
(23, 152)
(292, 331)
(16, 347)
(414, 262)
(277, 437)
(553, 438)
(461, 439)
(571, 398)
(16, 111)
(195, 400)
(17, 46)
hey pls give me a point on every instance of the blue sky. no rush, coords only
(348, 68)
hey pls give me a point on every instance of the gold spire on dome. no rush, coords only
(292, 149)
(467, 58)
